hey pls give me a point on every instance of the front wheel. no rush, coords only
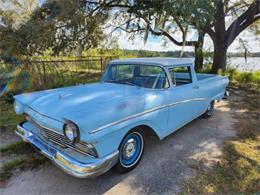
(210, 110)
(130, 151)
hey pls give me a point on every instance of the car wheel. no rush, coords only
(130, 151)
(210, 110)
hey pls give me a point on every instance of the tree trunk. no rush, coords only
(222, 37)
(199, 52)
(219, 58)
(220, 47)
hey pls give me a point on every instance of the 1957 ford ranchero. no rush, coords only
(87, 129)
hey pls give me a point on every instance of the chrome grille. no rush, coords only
(57, 138)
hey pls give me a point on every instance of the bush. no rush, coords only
(243, 79)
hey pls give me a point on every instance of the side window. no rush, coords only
(122, 72)
(181, 75)
(150, 70)
(154, 77)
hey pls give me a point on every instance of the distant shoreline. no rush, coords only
(154, 53)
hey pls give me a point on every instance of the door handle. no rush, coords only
(196, 87)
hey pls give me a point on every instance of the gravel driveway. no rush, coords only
(164, 166)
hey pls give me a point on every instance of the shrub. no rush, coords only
(243, 79)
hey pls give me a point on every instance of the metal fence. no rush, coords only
(44, 74)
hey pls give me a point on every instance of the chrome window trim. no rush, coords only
(183, 65)
(143, 113)
(144, 64)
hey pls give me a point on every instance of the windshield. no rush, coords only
(138, 75)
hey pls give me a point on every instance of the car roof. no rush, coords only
(166, 62)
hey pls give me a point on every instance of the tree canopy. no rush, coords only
(164, 18)
(57, 26)
(63, 26)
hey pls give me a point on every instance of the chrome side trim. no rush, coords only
(145, 112)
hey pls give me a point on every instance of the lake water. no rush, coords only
(251, 64)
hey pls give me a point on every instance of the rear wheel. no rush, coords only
(130, 151)
(210, 110)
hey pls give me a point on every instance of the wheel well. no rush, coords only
(149, 132)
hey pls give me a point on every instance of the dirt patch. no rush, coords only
(238, 170)
(7, 137)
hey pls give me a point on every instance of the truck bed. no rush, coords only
(201, 77)
(183, 78)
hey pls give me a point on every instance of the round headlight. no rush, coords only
(18, 107)
(71, 131)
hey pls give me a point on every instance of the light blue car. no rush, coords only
(88, 129)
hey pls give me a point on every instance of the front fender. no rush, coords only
(108, 140)
(111, 140)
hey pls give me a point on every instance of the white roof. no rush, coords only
(155, 61)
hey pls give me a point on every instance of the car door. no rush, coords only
(183, 100)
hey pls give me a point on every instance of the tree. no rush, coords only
(12, 15)
(57, 26)
(205, 16)
(161, 19)
(223, 37)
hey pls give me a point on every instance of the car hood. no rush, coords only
(91, 106)
(81, 99)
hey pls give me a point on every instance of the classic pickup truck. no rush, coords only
(88, 129)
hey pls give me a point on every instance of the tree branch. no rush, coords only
(110, 4)
(211, 33)
(240, 29)
(166, 34)
(242, 22)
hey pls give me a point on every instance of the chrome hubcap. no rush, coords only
(129, 148)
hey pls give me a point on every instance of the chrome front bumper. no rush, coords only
(65, 162)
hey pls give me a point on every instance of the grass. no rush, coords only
(8, 166)
(8, 118)
(19, 155)
(243, 79)
(20, 163)
(15, 148)
(239, 170)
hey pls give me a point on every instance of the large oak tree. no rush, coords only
(211, 17)
(244, 14)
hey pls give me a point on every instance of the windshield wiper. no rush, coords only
(120, 82)
(128, 83)
(111, 81)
